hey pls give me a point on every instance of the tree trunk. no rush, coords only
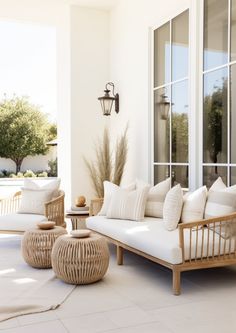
(18, 162)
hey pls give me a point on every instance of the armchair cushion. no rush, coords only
(32, 201)
(20, 222)
(52, 185)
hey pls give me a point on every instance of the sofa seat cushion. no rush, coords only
(20, 222)
(151, 237)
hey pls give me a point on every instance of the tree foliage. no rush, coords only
(24, 130)
(214, 129)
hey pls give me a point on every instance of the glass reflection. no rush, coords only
(161, 125)
(233, 176)
(211, 173)
(162, 55)
(180, 45)
(215, 117)
(180, 122)
(180, 176)
(233, 114)
(161, 172)
(215, 33)
(233, 30)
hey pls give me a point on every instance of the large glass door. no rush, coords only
(171, 101)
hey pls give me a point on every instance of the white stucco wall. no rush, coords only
(129, 70)
(89, 73)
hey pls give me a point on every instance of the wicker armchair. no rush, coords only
(53, 210)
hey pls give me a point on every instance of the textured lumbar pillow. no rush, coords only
(109, 189)
(129, 205)
(52, 185)
(194, 205)
(172, 207)
(32, 201)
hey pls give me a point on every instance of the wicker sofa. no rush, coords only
(17, 223)
(194, 245)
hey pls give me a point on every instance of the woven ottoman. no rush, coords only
(80, 260)
(36, 246)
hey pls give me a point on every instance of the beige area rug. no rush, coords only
(23, 289)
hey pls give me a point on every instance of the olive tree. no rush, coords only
(24, 130)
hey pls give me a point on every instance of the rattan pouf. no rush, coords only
(36, 246)
(80, 260)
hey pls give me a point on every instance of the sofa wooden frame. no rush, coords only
(53, 209)
(192, 259)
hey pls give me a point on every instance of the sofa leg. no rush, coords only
(176, 282)
(119, 255)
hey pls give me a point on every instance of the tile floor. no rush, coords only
(137, 298)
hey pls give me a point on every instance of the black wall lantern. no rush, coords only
(107, 100)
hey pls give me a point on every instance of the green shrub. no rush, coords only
(52, 168)
(42, 174)
(29, 173)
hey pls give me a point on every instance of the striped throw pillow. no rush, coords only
(109, 189)
(128, 205)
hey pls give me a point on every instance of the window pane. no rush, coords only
(180, 122)
(161, 125)
(233, 30)
(215, 117)
(233, 176)
(180, 42)
(180, 176)
(162, 55)
(233, 114)
(161, 172)
(215, 33)
(211, 173)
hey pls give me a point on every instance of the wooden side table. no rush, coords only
(78, 220)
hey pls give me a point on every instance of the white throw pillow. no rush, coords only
(217, 185)
(52, 185)
(109, 189)
(128, 205)
(194, 205)
(32, 201)
(172, 208)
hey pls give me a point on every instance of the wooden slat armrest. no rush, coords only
(95, 206)
(201, 244)
(54, 210)
(222, 218)
(10, 204)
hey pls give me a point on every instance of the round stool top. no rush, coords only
(55, 230)
(91, 238)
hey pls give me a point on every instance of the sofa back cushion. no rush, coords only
(221, 200)
(129, 205)
(156, 197)
(52, 185)
(172, 208)
(32, 201)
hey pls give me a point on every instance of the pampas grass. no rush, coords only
(120, 158)
(103, 168)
